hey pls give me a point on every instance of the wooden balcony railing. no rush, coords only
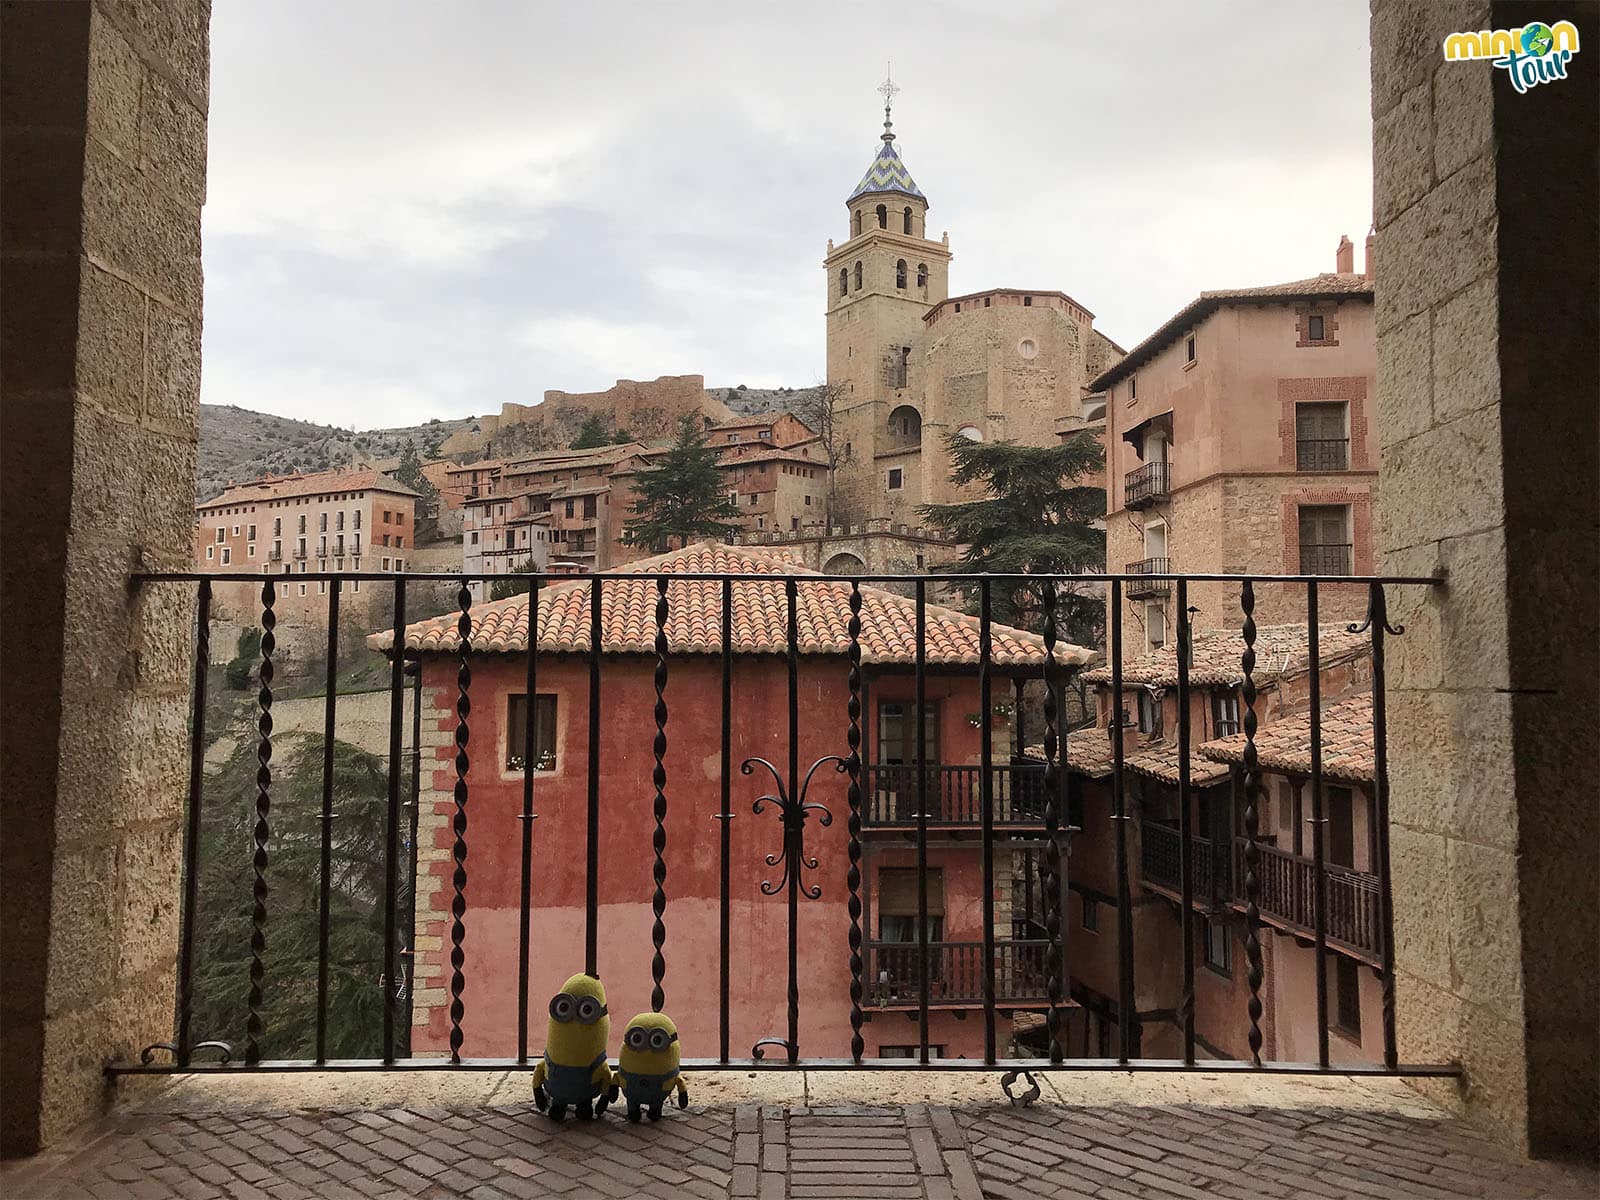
(1144, 486)
(1149, 589)
(954, 794)
(1287, 886)
(955, 972)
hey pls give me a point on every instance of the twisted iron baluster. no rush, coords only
(263, 830)
(658, 903)
(458, 880)
(1051, 867)
(853, 765)
(1378, 621)
(1252, 797)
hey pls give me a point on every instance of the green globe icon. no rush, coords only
(1537, 39)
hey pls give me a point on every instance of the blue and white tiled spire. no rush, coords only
(887, 173)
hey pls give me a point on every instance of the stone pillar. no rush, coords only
(104, 161)
(1484, 201)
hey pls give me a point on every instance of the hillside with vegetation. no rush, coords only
(239, 445)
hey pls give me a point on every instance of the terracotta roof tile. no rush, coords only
(1089, 753)
(1281, 651)
(285, 486)
(888, 621)
(1285, 745)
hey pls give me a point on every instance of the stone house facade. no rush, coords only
(1239, 439)
(293, 524)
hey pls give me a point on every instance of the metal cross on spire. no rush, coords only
(888, 89)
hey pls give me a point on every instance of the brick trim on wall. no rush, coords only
(1330, 324)
(1352, 389)
(1361, 545)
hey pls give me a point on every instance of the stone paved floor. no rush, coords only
(971, 1150)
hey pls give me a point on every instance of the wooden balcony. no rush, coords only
(1287, 890)
(955, 974)
(954, 795)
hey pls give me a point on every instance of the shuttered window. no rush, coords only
(897, 892)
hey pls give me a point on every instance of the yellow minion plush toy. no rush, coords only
(647, 1067)
(573, 1071)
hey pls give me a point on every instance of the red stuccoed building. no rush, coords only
(758, 728)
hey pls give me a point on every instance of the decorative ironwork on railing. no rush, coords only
(996, 814)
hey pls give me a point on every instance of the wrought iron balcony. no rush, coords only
(1322, 454)
(1326, 558)
(1146, 485)
(1149, 589)
(816, 855)
(1287, 883)
(955, 973)
(954, 795)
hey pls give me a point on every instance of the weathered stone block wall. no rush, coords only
(104, 158)
(1487, 345)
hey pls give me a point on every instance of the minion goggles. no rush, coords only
(585, 1010)
(649, 1039)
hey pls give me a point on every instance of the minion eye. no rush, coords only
(636, 1039)
(659, 1040)
(588, 1009)
(562, 1007)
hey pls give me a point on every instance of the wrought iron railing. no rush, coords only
(1322, 454)
(1327, 558)
(956, 974)
(1148, 582)
(987, 973)
(894, 795)
(1144, 486)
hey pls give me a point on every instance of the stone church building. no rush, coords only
(909, 364)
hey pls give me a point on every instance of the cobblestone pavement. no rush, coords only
(929, 1152)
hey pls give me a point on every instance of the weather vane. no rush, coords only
(888, 89)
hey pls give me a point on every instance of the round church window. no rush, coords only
(971, 432)
(1027, 347)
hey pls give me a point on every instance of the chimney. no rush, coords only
(1371, 271)
(1344, 258)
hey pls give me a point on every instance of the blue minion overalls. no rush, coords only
(571, 1085)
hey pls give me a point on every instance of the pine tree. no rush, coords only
(409, 472)
(1036, 517)
(592, 434)
(683, 496)
(356, 915)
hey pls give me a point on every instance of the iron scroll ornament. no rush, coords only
(794, 812)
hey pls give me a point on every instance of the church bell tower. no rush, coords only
(881, 280)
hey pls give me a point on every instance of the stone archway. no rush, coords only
(844, 563)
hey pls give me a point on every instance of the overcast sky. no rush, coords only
(428, 209)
